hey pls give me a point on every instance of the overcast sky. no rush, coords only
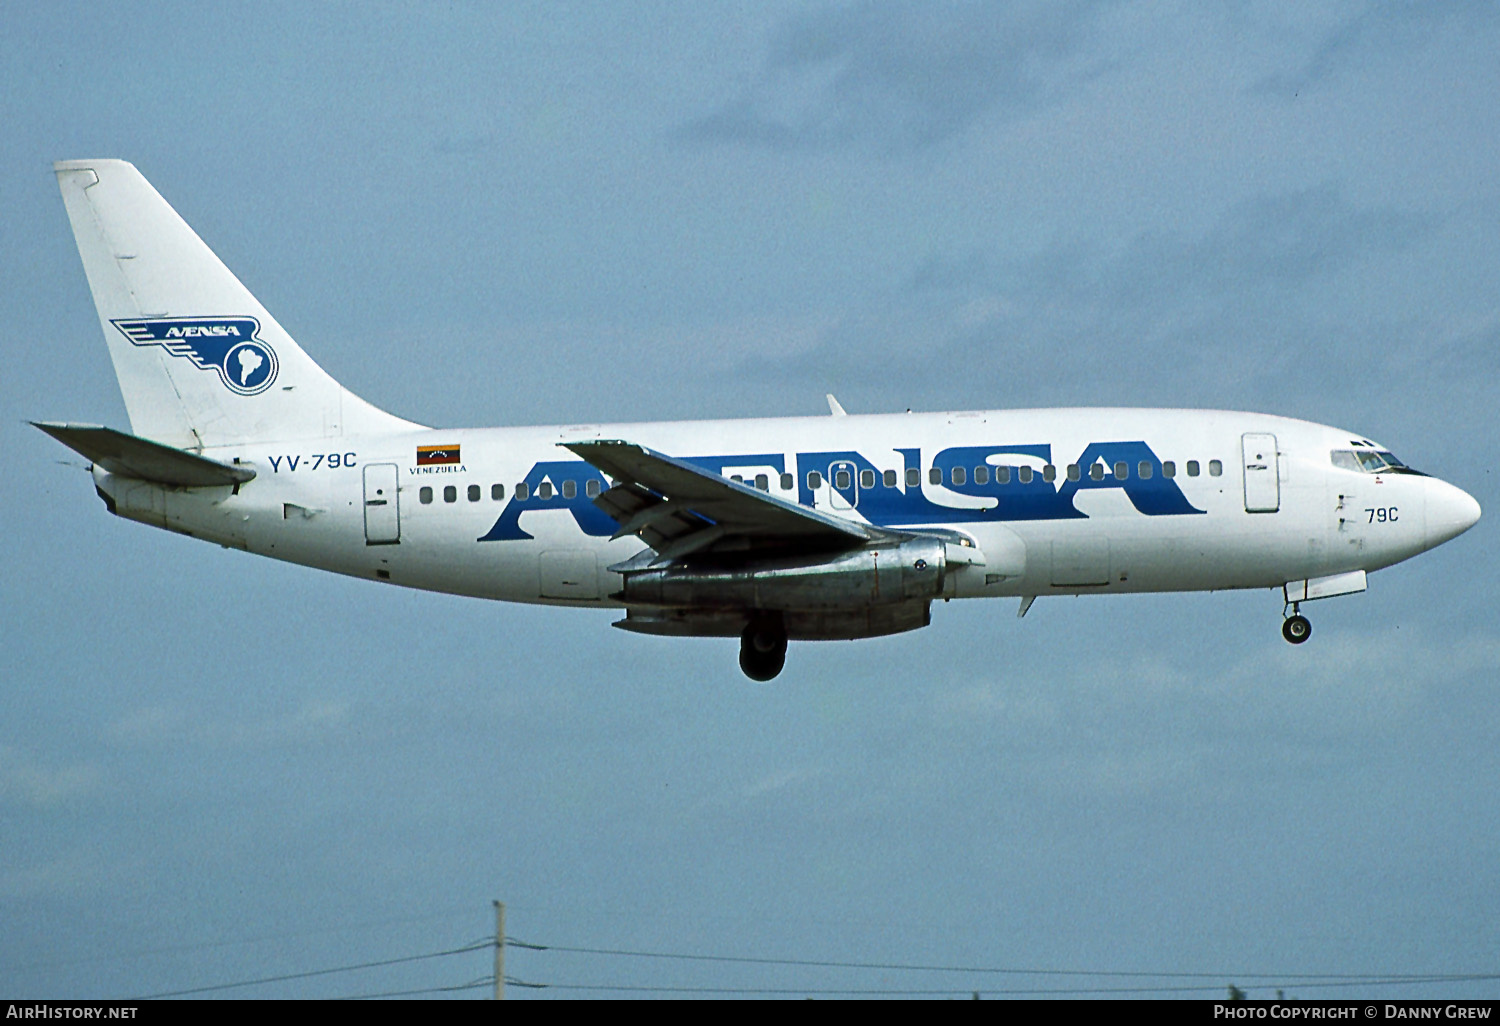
(216, 768)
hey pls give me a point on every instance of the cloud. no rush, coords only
(80, 871)
(899, 76)
(1275, 244)
(25, 781)
(1153, 723)
(1085, 322)
(1366, 30)
(776, 782)
(313, 722)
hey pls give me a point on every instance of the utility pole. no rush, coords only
(499, 951)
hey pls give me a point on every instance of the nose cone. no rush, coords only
(1450, 512)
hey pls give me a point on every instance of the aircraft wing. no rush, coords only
(678, 509)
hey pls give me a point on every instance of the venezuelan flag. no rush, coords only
(427, 455)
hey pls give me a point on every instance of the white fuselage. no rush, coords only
(460, 526)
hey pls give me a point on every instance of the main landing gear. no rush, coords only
(1295, 628)
(763, 647)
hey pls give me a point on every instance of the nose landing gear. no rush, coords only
(763, 647)
(1295, 628)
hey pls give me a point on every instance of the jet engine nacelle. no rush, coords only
(915, 569)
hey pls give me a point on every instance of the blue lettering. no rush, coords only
(1014, 499)
(754, 461)
(828, 464)
(591, 519)
(1156, 496)
(1005, 495)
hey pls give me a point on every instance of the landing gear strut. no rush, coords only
(763, 647)
(1295, 628)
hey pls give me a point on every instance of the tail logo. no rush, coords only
(245, 364)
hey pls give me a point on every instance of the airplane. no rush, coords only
(843, 526)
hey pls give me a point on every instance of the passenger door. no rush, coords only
(1262, 480)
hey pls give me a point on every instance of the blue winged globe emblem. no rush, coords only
(245, 364)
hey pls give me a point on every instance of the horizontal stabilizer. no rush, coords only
(130, 456)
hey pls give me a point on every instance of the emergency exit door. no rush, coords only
(843, 485)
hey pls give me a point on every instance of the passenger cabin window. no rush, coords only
(1169, 469)
(814, 480)
(1215, 468)
(1002, 475)
(1049, 473)
(935, 476)
(1122, 470)
(570, 489)
(497, 492)
(982, 475)
(786, 482)
(867, 479)
(913, 477)
(592, 488)
(1096, 472)
(523, 491)
(1192, 468)
(450, 493)
(1023, 474)
(959, 475)
(474, 493)
(763, 482)
(425, 495)
(1074, 473)
(841, 479)
(544, 490)
(1143, 469)
(888, 478)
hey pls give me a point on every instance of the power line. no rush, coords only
(472, 985)
(477, 946)
(862, 992)
(960, 992)
(208, 945)
(1259, 980)
(1331, 979)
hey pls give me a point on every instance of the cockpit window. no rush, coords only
(1369, 461)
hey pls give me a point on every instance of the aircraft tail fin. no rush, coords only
(200, 362)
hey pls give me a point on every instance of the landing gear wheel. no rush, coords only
(763, 648)
(1296, 629)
